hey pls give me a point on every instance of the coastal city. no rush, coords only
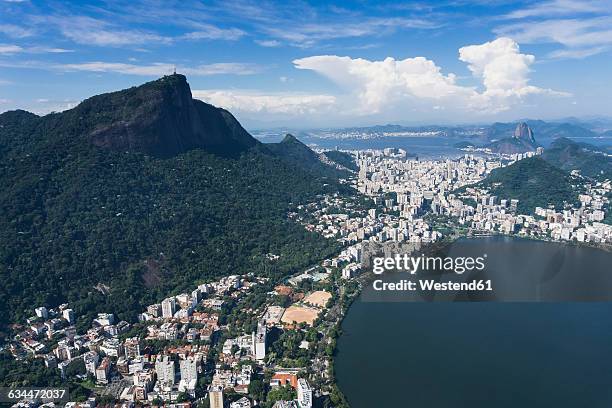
(245, 341)
(305, 204)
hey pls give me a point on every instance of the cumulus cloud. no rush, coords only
(277, 103)
(499, 65)
(379, 83)
(503, 70)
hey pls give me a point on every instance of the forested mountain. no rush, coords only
(135, 194)
(343, 159)
(570, 155)
(296, 153)
(535, 183)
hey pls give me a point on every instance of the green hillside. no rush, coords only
(570, 155)
(142, 217)
(344, 159)
(297, 154)
(535, 183)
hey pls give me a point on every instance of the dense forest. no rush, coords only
(113, 228)
(302, 157)
(343, 159)
(535, 183)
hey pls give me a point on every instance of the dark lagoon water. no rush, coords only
(484, 354)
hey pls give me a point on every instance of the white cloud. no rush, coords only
(378, 85)
(309, 34)
(91, 31)
(153, 69)
(560, 8)
(577, 53)
(51, 50)
(158, 69)
(15, 31)
(272, 103)
(583, 28)
(118, 28)
(568, 32)
(268, 43)
(211, 32)
(10, 49)
(504, 72)
(44, 106)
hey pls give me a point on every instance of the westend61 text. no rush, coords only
(432, 285)
(410, 264)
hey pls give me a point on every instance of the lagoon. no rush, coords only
(427, 354)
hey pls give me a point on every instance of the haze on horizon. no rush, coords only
(314, 64)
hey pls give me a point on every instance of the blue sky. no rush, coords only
(311, 64)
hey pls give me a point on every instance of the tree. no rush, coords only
(257, 389)
(283, 393)
(76, 367)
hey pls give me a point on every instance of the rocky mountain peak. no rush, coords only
(162, 119)
(524, 132)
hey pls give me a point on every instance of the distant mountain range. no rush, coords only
(480, 135)
(145, 191)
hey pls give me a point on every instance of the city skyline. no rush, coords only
(317, 65)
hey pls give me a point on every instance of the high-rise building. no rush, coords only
(189, 374)
(215, 393)
(259, 342)
(132, 347)
(42, 312)
(91, 359)
(154, 310)
(304, 394)
(168, 307)
(196, 296)
(68, 315)
(164, 367)
(103, 371)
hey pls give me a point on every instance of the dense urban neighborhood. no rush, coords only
(244, 340)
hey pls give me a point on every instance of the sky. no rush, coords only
(319, 64)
